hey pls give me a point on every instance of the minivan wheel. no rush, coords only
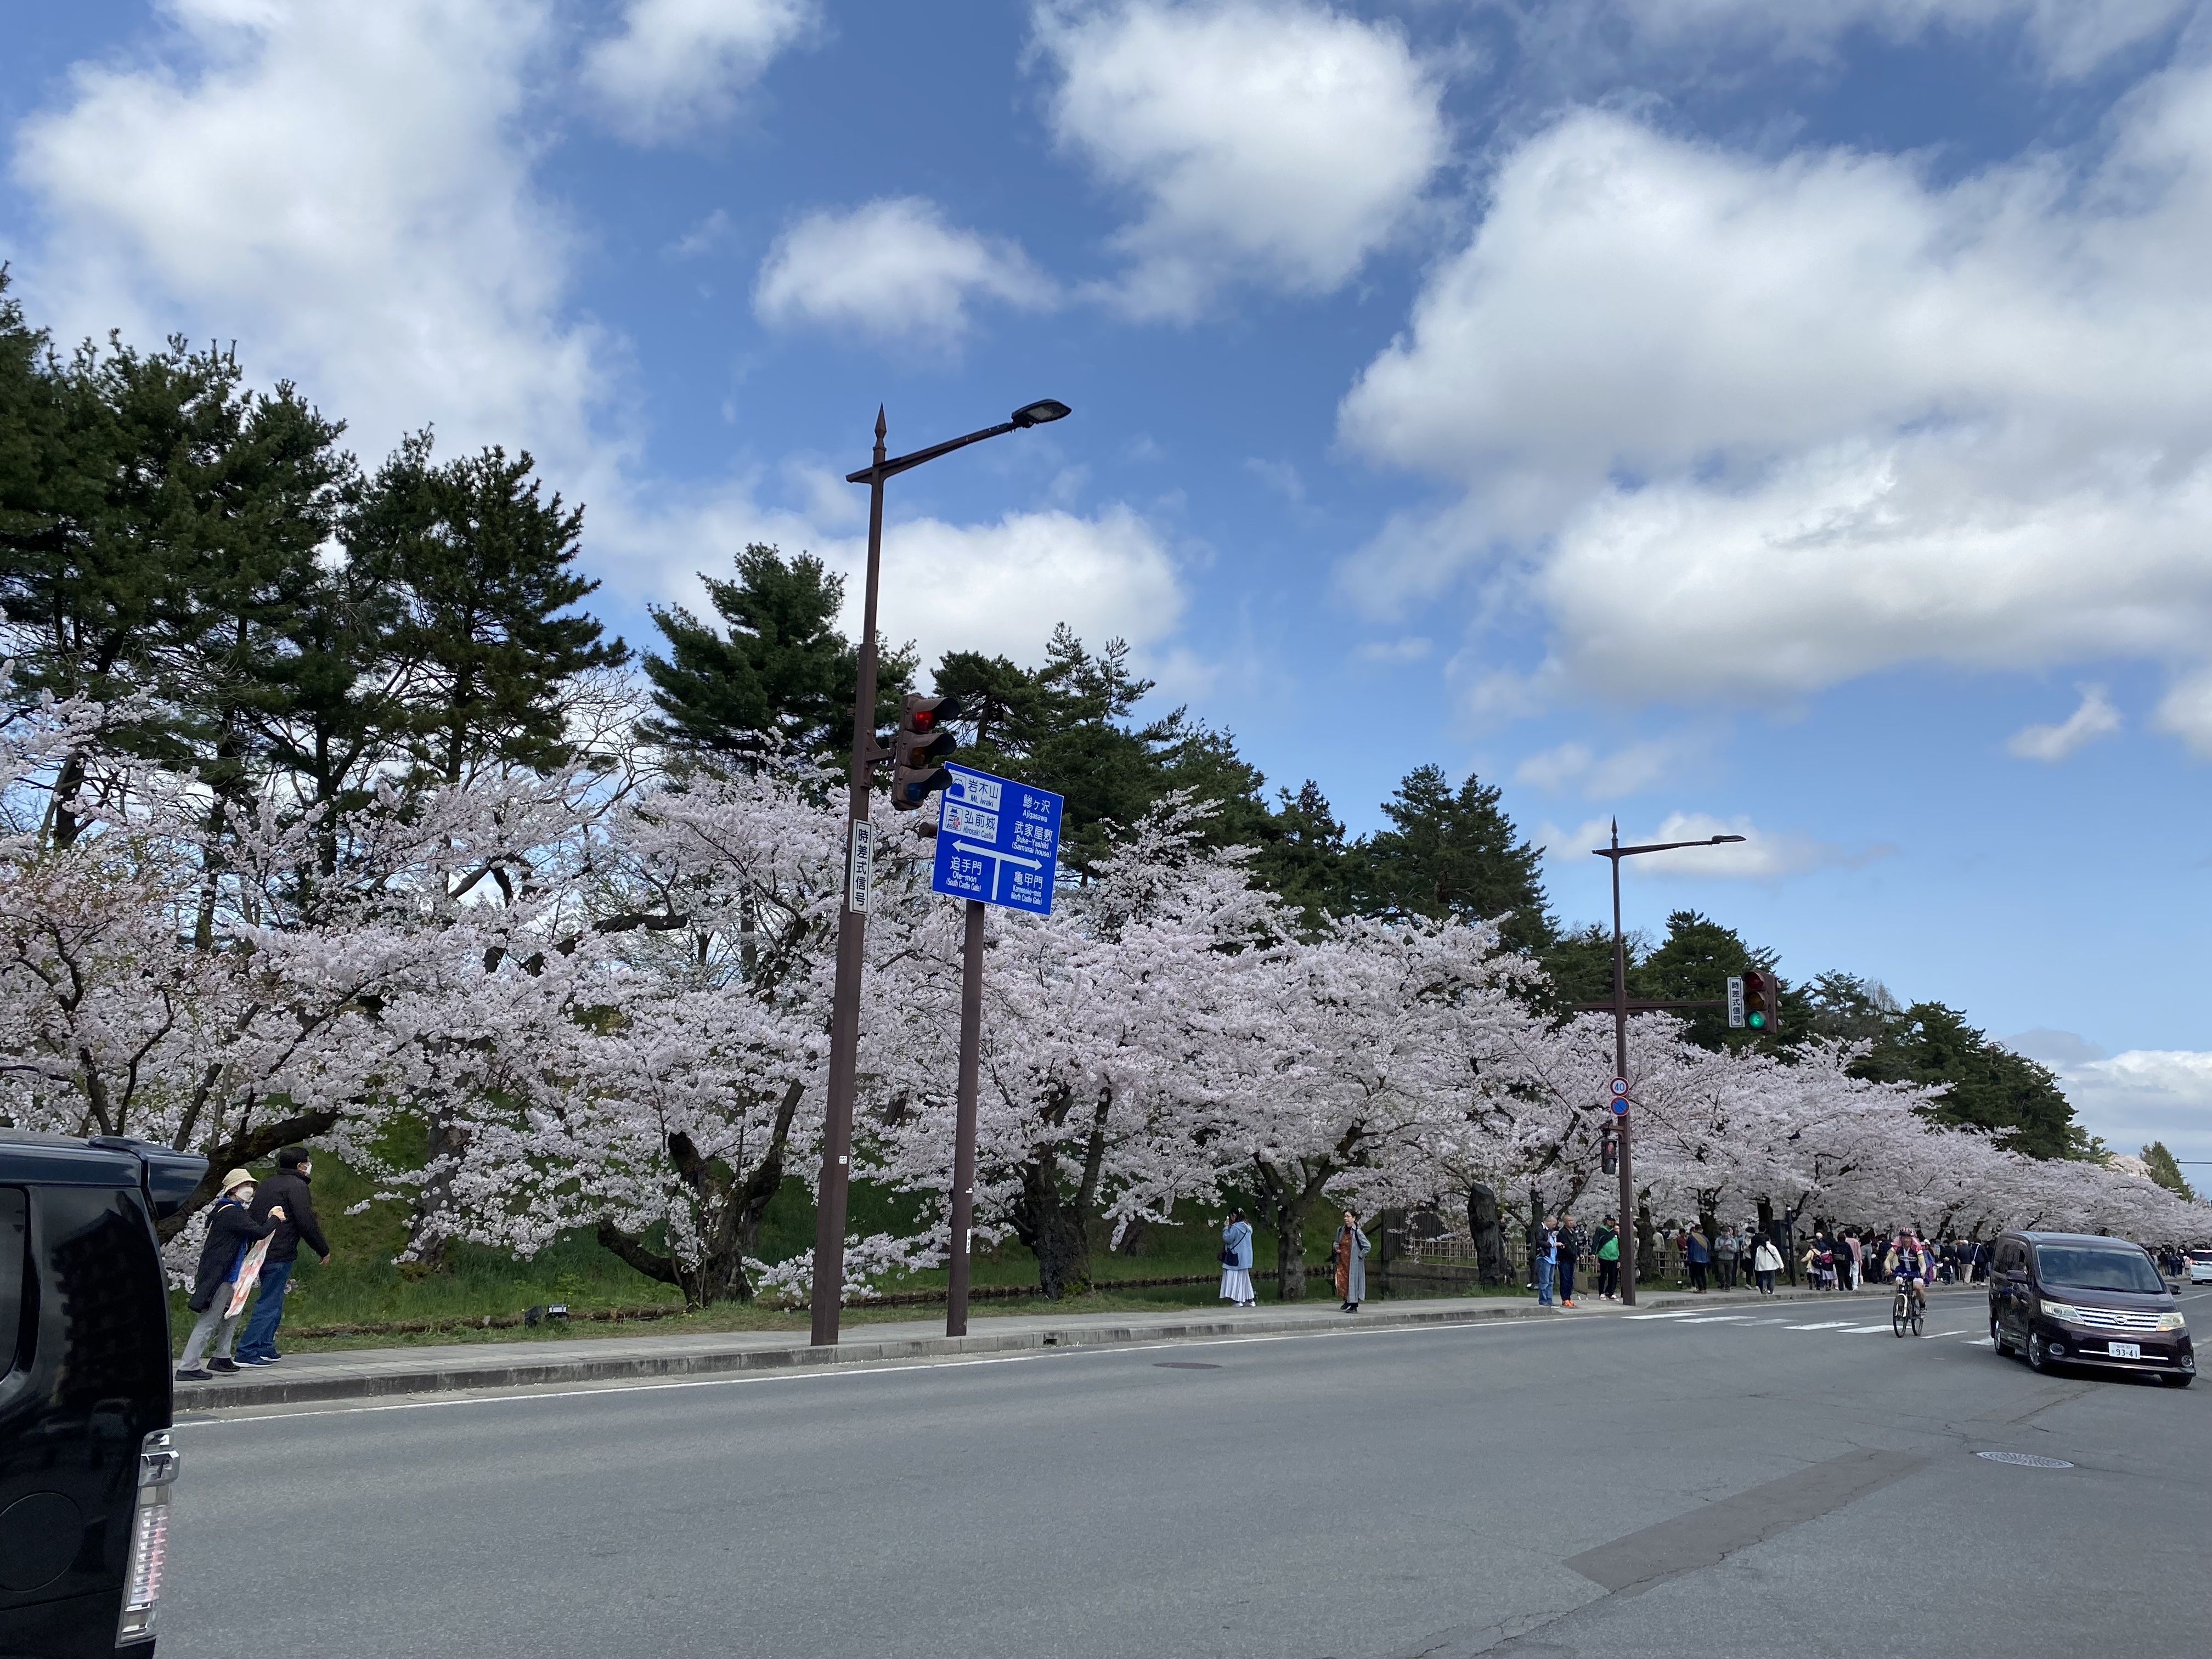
(2038, 1357)
(1997, 1338)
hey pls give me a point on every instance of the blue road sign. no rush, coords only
(997, 840)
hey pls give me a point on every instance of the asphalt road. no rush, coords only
(1661, 1486)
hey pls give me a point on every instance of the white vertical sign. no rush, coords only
(860, 866)
(1735, 1002)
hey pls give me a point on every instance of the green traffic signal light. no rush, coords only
(1756, 1020)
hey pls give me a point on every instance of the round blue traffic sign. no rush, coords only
(1620, 1106)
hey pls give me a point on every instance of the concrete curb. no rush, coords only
(521, 1374)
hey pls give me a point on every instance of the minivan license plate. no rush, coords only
(2124, 1350)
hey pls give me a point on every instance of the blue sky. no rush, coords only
(1725, 414)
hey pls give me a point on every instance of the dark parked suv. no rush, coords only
(85, 1461)
(2080, 1299)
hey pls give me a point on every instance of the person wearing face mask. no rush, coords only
(230, 1262)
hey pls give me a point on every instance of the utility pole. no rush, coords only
(829, 1287)
(1621, 1106)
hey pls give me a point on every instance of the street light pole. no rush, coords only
(1628, 1236)
(853, 917)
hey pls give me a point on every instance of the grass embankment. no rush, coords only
(362, 1290)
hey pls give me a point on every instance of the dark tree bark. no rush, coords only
(1492, 1264)
(730, 1213)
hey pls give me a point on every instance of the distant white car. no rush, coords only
(2200, 1267)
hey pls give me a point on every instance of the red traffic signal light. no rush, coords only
(1762, 1000)
(919, 747)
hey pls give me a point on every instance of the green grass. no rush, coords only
(362, 1287)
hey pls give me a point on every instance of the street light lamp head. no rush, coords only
(1043, 409)
(1718, 839)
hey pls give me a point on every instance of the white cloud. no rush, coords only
(680, 65)
(2186, 711)
(1268, 140)
(1738, 425)
(1601, 777)
(2144, 1095)
(2070, 38)
(1410, 649)
(1762, 855)
(2096, 717)
(342, 185)
(891, 269)
(1002, 587)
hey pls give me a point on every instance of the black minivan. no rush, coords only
(2082, 1299)
(85, 1459)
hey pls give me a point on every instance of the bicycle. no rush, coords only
(1904, 1313)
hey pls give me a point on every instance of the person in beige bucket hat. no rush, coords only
(230, 1261)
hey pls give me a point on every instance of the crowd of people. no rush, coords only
(1842, 1259)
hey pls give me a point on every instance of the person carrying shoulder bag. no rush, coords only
(230, 1262)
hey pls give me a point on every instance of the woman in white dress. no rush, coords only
(1237, 1260)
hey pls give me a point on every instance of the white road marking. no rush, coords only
(1687, 1314)
(1833, 1325)
(1862, 1330)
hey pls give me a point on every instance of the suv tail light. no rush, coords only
(149, 1539)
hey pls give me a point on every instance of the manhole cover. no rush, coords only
(1183, 1366)
(2026, 1460)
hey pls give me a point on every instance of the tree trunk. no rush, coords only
(1132, 1238)
(1055, 1230)
(1491, 1265)
(445, 1144)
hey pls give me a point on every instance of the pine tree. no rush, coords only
(2167, 1172)
(1455, 853)
(483, 564)
(778, 671)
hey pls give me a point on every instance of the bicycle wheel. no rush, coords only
(1898, 1315)
(1917, 1313)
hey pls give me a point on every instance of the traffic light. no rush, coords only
(919, 747)
(1762, 1002)
(1609, 1154)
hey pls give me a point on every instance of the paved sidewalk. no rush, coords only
(375, 1373)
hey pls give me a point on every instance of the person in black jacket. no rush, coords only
(231, 1235)
(284, 1195)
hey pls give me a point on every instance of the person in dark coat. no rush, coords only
(228, 1255)
(285, 1195)
(1350, 1253)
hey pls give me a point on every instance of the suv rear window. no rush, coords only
(2084, 1267)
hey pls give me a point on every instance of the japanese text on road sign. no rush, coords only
(997, 840)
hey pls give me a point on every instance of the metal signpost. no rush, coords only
(998, 842)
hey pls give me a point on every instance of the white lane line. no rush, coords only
(1716, 1318)
(1961, 1331)
(1831, 1325)
(1691, 1313)
(1862, 1330)
(1978, 1342)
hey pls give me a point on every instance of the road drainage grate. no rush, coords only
(2026, 1460)
(1183, 1366)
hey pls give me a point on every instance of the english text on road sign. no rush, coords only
(997, 840)
(1619, 1087)
(1735, 1001)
